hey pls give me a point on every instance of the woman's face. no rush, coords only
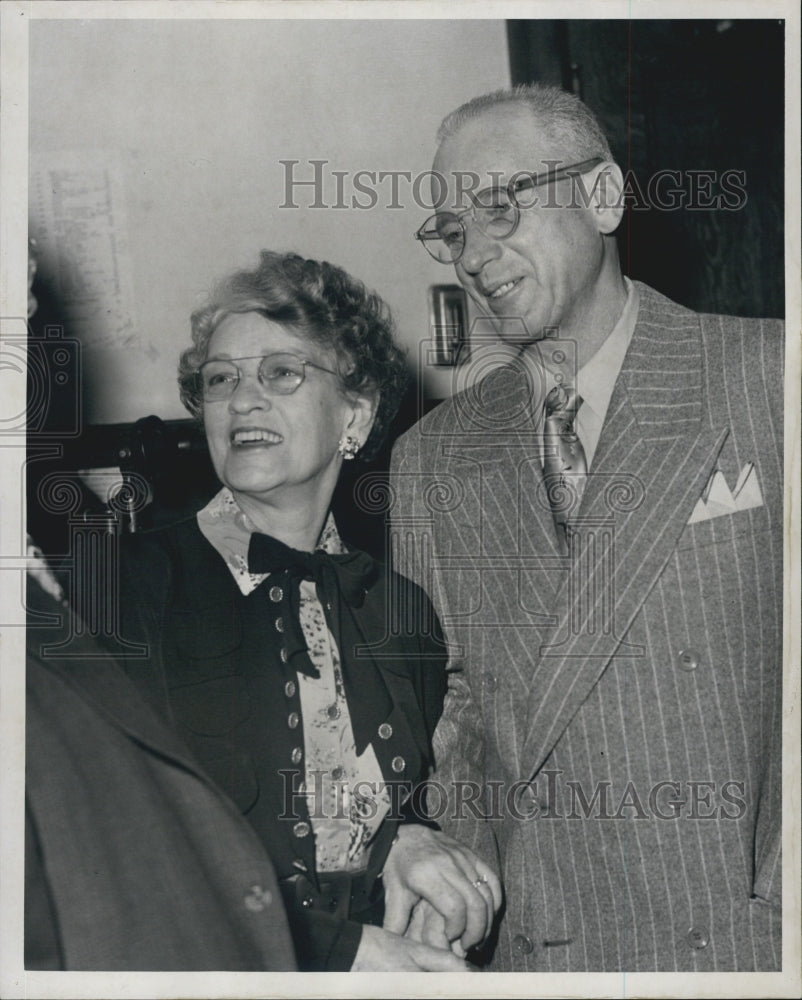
(273, 448)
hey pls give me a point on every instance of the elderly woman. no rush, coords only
(270, 642)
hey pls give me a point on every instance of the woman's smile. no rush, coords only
(249, 437)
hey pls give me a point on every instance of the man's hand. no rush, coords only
(427, 864)
(381, 951)
(429, 927)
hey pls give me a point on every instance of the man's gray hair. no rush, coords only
(569, 124)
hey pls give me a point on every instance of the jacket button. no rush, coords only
(276, 594)
(385, 730)
(522, 944)
(301, 829)
(283, 655)
(258, 899)
(293, 719)
(297, 755)
(289, 689)
(398, 764)
(697, 938)
(333, 711)
(688, 659)
(279, 624)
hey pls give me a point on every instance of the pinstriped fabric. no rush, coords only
(675, 864)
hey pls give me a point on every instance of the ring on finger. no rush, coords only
(479, 881)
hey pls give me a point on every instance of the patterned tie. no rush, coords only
(564, 466)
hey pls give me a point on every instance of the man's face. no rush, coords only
(549, 272)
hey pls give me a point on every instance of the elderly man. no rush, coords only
(599, 524)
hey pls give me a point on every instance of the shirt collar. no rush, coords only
(228, 529)
(596, 379)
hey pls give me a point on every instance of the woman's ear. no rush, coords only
(605, 187)
(363, 413)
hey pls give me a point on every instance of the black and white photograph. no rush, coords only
(399, 505)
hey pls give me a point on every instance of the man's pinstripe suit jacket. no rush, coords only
(621, 708)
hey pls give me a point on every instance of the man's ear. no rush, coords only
(363, 413)
(606, 186)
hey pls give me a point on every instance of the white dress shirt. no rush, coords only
(596, 379)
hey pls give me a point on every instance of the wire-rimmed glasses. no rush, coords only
(496, 211)
(279, 374)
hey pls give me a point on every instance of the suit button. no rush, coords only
(522, 944)
(491, 682)
(301, 829)
(258, 899)
(293, 719)
(289, 689)
(698, 938)
(283, 655)
(688, 659)
(398, 764)
(296, 755)
(279, 624)
(385, 730)
(276, 594)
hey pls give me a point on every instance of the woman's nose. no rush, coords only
(249, 394)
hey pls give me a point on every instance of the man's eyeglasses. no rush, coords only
(496, 211)
(279, 375)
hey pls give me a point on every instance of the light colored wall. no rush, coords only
(189, 120)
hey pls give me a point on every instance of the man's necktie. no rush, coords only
(564, 466)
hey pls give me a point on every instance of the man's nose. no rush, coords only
(479, 247)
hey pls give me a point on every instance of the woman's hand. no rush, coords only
(427, 864)
(381, 951)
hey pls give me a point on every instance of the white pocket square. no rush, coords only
(717, 498)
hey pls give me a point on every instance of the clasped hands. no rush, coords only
(440, 901)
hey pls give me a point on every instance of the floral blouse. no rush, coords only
(346, 796)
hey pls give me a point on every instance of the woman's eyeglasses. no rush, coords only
(496, 211)
(278, 374)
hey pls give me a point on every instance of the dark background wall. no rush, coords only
(688, 96)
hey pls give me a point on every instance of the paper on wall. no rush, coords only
(78, 217)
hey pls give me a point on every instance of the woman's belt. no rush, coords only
(350, 896)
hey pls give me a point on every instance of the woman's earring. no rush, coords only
(348, 447)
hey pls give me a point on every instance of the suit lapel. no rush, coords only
(654, 458)
(497, 461)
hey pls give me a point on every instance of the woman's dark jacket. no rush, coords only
(210, 662)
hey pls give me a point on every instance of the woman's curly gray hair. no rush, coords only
(322, 303)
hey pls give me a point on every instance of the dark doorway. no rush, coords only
(703, 100)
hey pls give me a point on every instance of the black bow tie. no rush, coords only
(341, 579)
(351, 572)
